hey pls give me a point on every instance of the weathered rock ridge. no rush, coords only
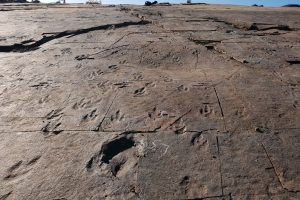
(161, 102)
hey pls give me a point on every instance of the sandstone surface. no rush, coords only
(160, 102)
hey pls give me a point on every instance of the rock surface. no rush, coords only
(176, 102)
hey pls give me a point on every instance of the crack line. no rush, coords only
(110, 48)
(178, 118)
(119, 40)
(220, 108)
(272, 166)
(214, 197)
(220, 167)
(108, 110)
(25, 48)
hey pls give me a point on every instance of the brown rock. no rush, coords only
(164, 102)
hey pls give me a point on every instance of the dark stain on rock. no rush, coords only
(115, 147)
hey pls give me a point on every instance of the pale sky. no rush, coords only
(266, 3)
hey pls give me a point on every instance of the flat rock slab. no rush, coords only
(134, 102)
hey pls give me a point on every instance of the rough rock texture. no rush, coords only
(177, 102)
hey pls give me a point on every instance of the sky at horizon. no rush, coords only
(266, 3)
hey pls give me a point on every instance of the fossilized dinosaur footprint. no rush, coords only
(117, 117)
(90, 116)
(207, 110)
(53, 119)
(139, 91)
(20, 168)
(143, 90)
